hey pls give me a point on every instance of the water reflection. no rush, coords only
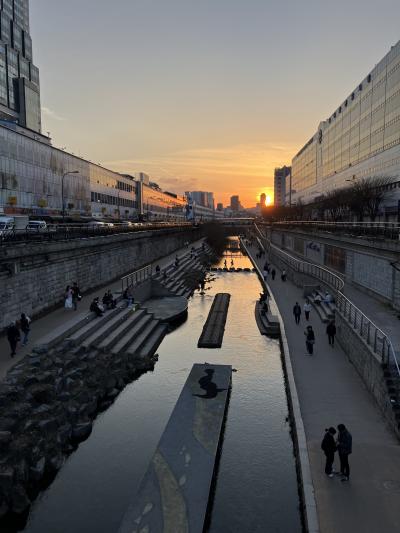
(256, 488)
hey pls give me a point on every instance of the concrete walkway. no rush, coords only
(54, 319)
(331, 392)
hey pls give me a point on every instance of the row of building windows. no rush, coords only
(112, 200)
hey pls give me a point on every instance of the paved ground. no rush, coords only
(42, 326)
(331, 392)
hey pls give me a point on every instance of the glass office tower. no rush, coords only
(19, 77)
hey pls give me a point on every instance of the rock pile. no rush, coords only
(48, 402)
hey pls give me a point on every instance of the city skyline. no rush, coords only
(212, 114)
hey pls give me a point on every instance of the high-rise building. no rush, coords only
(220, 207)
(360, 139)
(235, 203)
(280, 176)
(263, 199)
(205, 199)
(19, 77)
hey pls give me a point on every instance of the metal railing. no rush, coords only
(376, 339)
(389, 230)
(60, 232)
(136, 278)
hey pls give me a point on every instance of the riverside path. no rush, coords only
(331, 392)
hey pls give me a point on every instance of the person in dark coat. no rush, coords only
(25, 322)
(345, 447)
(76, 295)
(283, 275)
(331, 332)
(95, 307)
(273, 274)
(310, 339)
(297, 312)
(13, 337)
(328, 445)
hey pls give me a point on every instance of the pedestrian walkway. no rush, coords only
(42, 326)
(331, 392)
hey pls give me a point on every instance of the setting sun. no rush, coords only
(268, 200)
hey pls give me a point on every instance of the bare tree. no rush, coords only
(376, 189)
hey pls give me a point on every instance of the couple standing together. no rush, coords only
(343, 445)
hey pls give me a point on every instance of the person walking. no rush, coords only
(68, 298)
(283, 275)
(307, 309)
(297, 312)
(331, 332)
(328, 445)
(13, 337)
(310, 339)
(265, 274)
(76, 295)
(345, 447)
(273, 274)
(25, 327)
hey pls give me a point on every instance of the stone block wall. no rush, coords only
(367, 365)
(33, 277)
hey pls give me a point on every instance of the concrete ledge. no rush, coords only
(174, 494)
(214, 328)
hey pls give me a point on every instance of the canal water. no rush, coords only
(256, 489)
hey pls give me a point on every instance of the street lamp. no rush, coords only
(62, 189)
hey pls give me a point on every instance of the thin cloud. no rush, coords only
(241, 169)
(52, 114)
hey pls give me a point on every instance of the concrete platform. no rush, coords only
(168, 308)
(214, 328)
(174, 494)
(267, 323)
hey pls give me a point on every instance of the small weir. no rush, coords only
(255, 484)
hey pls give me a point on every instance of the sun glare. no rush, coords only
(268, 200)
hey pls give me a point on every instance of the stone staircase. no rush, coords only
(181, 280)
(326, 311)
(122, 330)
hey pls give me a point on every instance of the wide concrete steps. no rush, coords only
(153, 341)
(141, 339)
(127, 328)
(84, 332)
(103, 330)
(120, 343)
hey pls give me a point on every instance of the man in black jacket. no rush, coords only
(331, 332)
(297, 312)
(13, 337)
(329, 447)
(345, 447)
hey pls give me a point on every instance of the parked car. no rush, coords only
(36, 226)
(7, 226)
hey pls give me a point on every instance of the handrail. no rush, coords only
(377, 339)
(136, 278)
(390, 230)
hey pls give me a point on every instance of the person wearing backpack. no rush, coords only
(328, 446)
(25, 322)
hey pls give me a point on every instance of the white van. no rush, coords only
(36, 226)
(7, 226)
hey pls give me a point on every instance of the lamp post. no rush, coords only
(62, 189)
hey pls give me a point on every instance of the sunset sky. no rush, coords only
(201, 94)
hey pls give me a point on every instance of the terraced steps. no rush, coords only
(136, 346)
(130, 335)
(93, 326)
(130, 325)
(151, 345)
(103, 329)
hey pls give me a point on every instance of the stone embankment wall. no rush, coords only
(370, 265)
(48, 402)
(368, 366)
(33, 277)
